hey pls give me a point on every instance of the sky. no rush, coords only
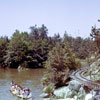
(74, 16)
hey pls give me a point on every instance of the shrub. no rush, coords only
(61, 61)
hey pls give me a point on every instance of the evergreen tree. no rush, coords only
(3, 47)
(60, 62)
(17, 49)
(95, 34)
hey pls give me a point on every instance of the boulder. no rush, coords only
(64, 92)
(74, 85)
(89, 96)
(97, 95)
(95, 64)
(49, 99)
(61, 92)
(44, 95)
(81, 94)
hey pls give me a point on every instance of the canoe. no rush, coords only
(21, 96)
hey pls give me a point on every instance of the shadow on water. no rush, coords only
(30, 78)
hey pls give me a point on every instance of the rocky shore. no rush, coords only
(76, 90)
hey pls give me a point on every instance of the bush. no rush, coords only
(49, 89)
(61, 61)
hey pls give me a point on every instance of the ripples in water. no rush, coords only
(29, 78)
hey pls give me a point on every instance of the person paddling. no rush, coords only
(27, 92)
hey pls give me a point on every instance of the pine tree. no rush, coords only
(61, 61)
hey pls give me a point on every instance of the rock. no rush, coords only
(88, 77)
(50, 99)
(97, 97)
(81, 94)
(74, 85)
(58, 99)
(94, 71)
(65, 93)
(93, 92)
(95, 64)
(92, 57)
(98, 92)
(89, 96)
(61, 92)
(44, 95)
(67, 99)
(47, 99)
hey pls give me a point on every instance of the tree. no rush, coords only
(17, 48)
(28, 50)
(3, 47)
(61, 61)
(95, 34)
(43, 31)
(39, 45)
(68, 40)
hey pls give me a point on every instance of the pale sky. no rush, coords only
(75, 16)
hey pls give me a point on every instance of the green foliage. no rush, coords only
(81, 47)
(31, 49)
(17, 49)
(3, 47)
(28, 50)
(95, 34)
(39, 45)
(60, 62)
(49, 89)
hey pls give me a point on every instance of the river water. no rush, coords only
(30, 78)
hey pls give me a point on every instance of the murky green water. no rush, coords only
(30, 78)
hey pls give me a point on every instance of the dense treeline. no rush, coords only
(67, 56)
(31, 49)
(81, 47)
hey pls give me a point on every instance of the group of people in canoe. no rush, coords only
(19, 91)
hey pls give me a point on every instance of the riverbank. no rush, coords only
(76, 90)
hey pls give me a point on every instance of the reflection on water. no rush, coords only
(28, 78)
